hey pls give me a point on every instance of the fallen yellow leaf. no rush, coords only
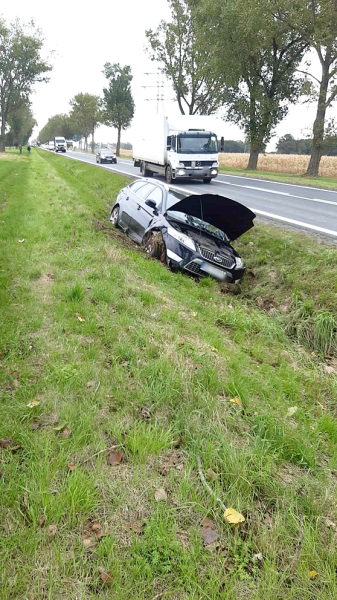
(233, 516)
(81, 319)
(235, 400)
(33, 404)
(312, 574)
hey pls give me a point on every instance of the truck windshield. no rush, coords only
(197, 144)
(60, 140)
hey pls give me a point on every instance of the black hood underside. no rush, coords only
(231, 217)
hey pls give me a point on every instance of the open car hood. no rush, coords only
(231, 217)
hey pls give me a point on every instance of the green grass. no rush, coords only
(329, 183)
(151, 369)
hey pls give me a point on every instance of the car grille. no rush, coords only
(194, 267)
(187, 163)
(223, 260)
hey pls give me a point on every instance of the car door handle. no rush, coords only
(139, 207)
(127, 198)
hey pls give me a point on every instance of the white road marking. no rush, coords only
(252, 187)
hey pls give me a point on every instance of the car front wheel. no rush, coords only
(154, 246)
(114, 217)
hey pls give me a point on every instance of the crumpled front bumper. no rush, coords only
(190, 261)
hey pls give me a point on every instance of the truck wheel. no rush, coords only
(168, 174)
(154, 246)
(207, 180)
(145, 172)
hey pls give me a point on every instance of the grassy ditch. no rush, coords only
(115, 374)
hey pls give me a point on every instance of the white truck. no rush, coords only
(60, 144)
(188, 153)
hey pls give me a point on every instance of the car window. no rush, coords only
(136, 185)
(156, 195)
(143, 192)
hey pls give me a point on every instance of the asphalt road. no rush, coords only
(296, 205)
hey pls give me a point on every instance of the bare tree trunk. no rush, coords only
(118, 149)
(93, 142)
(85, 143)
(253, 157)
(2, 137)
(318, 129)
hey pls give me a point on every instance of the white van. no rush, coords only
(60, 144)
(51, 145)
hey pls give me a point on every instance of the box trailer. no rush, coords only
(176, 153)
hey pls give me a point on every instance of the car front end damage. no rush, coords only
(202, 259)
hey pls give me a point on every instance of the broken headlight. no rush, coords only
(183, 239)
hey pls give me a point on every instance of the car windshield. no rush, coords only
(197, 143)
(60, 141)
(174, 197)
(106, 152)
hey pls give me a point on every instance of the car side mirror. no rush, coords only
(151, 204)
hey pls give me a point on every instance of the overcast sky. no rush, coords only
(85, 35)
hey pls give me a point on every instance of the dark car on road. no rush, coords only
(104, 155)
(190, 233)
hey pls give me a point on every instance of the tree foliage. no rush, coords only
(185, 61)
(22, 122)
(21, 66)
(86, 114)
(58, 125)
(118, 102)
(258, 58)
(317, 23)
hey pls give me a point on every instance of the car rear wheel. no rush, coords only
(114, 217)
(207, 180)
(168, 174)
(154, 246)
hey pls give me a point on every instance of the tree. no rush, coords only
(258, 57)
(61, 125)
(22, 122)
(287, 144)
(21, 66)
(317, 22)
(185, 62)
(86, 114)
(233, 146)
(118, 102)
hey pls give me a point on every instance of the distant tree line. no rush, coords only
(115, 108)
(246, 57)
(287, 144)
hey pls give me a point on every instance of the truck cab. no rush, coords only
(60, 144)
(192, 154)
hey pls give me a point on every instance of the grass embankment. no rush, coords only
(117, 350)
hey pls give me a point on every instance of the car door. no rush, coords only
(145, 212)
(142, 214)
(129, 204)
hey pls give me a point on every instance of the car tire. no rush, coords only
(154, 246)
(207, 180)
(168, 175)
(114, 217)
